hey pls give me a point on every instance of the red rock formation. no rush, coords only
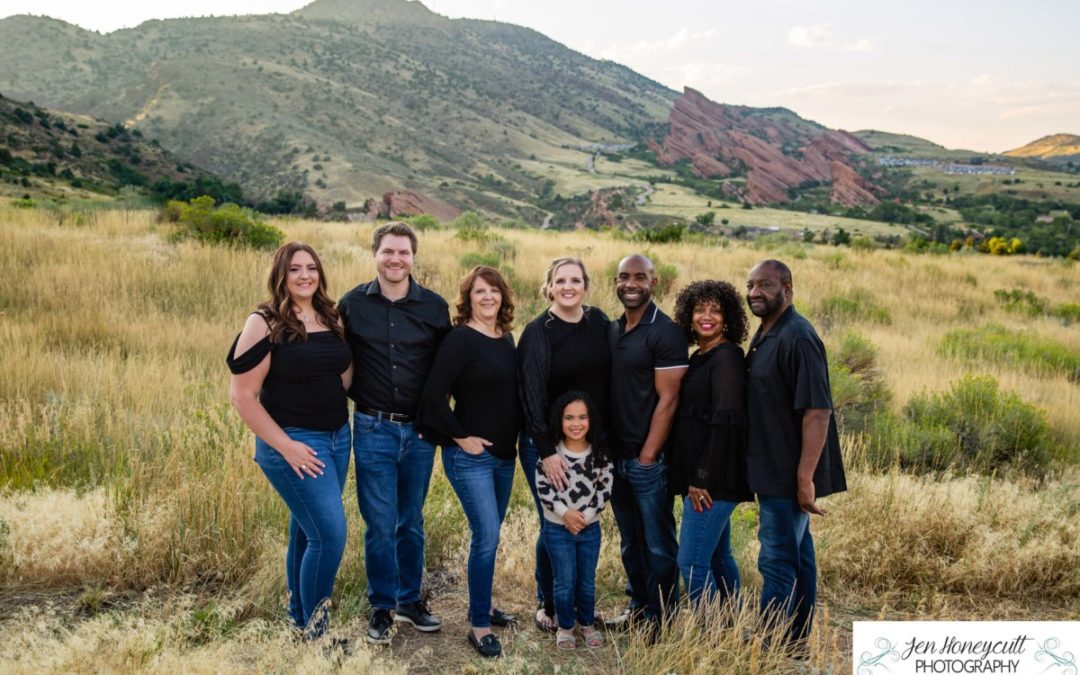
(404, 203)
(774, 148)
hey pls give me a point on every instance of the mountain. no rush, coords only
(775, 150)
(57, 154)
(342, 99)
(1056, 148)
(912, 147)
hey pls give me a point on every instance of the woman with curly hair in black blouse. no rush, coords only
(709, 437)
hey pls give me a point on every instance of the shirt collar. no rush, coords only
(784, 317)
(647, 318)
(413, 294)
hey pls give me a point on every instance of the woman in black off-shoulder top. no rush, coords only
(291, 368)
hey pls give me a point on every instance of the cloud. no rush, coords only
(644, 48)
(820, 36)
(848, 89)
(704, 76)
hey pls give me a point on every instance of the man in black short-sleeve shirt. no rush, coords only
(793, 454)
(648, 361)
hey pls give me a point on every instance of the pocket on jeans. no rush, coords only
(635, 462)
(363, 423)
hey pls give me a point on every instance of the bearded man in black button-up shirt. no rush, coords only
(793, 454)
(394, 327)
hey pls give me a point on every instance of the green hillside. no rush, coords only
(343, 100)
(57, 155)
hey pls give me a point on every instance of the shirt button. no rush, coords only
(394, 367)
(391, 346)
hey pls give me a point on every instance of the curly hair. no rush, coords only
(279, 310)
(505, 320)
(724, 296)
(594, 436)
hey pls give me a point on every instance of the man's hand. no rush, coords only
(806, 498)
(555, 468)
(574, 521)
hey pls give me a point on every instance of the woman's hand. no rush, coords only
(700, 499)
(302, 459)
(473, 445)
(574, 521)
(555, 468)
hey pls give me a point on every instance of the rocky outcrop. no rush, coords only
(775, 149)
(404, 203)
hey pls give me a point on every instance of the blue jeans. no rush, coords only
(317, 523)
(530, 455)
(787, 563)
(705, 557)
(482, 483)
(574, 558)
(643, 511)
(393, 472)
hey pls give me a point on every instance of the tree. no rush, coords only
(706, 218)
(841, 237)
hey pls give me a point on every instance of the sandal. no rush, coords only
(565, 640)
(545, 621)
(592, 637)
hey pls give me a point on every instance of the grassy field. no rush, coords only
(136, 534)
(682, 202)
(1035, 184)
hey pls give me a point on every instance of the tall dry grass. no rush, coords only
(127, 475)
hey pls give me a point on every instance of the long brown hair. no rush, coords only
(505, 319)
(279, 311)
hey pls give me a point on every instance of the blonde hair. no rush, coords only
(549, 277)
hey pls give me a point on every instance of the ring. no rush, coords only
(303, 466)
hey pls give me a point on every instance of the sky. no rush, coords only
(984, 75)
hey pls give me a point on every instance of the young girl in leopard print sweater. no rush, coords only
(571, 527)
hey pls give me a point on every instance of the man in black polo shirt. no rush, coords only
(793, 457)
(648, 361)
(394, 327)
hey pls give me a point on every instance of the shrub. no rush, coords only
(422, 222)
(470, 228)
(226, 224)
(858, 389)
(23, 203)
(1068, 312)
(474, 258)
(1025, 302)
(974, 427)
(858, 305)
(1014, 348)
(668, 234)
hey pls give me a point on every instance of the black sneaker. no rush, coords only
(419, 616)
(378, 631)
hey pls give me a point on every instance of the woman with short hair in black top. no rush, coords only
(708, 449)
(291, 368)
(563, 349)
(475, 366)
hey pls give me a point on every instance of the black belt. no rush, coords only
(397, 418)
